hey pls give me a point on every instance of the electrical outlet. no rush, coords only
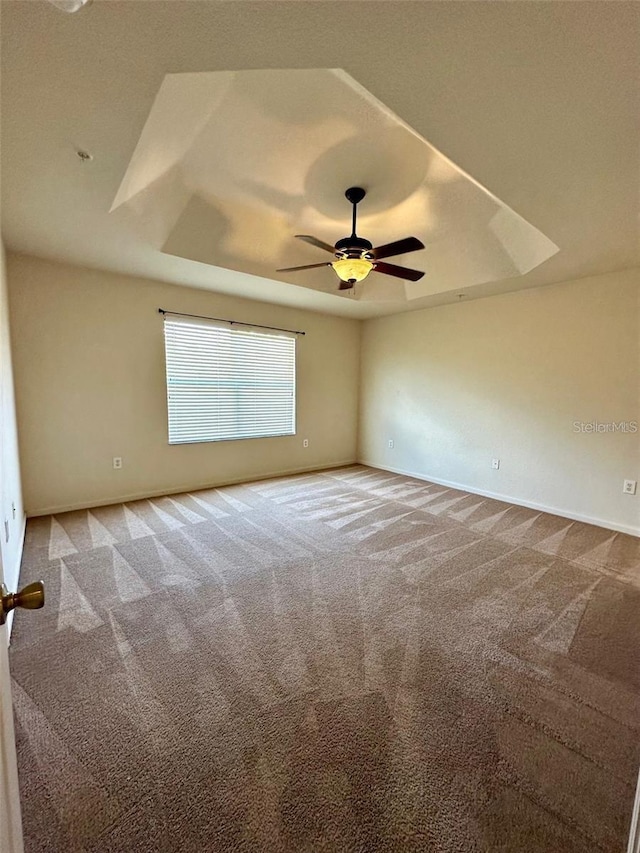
(391, 443)
(117, 462)
(629, 487)
(305, 443)
(495, 464)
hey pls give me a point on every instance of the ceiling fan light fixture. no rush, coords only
(352, 269)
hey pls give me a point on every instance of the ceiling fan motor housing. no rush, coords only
(353, 247)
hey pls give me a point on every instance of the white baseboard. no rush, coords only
(189, 487)
(563, 513)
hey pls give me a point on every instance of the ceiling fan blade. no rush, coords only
(399, 272)
(399, 247)
(313, 241)
(305, 267)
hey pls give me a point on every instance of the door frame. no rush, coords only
(11, 839)
(634, 831)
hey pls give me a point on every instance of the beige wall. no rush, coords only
(89, 370)
(11, 510)
(506, 377)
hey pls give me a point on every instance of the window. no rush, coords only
(225, 383)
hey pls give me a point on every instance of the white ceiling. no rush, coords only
(539, 102)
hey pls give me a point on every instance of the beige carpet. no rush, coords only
(346, 661)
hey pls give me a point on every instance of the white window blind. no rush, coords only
(225, 383)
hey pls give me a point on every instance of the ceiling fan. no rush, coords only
(356, 257)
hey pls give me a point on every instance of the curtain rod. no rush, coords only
(231, 322)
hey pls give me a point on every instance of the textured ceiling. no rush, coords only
(537, 101)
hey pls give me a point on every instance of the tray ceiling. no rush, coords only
(537, 101)
(230, 165)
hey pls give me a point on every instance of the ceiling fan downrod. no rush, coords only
(354, 246)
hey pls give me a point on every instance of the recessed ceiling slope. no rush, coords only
(231, 165)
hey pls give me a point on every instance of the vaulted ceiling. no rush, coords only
(538, 102)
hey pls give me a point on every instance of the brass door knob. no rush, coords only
(31, 597)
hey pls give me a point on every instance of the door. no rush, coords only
(10, 821)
